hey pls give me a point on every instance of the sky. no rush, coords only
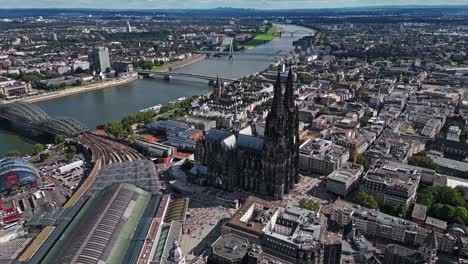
(199, 4)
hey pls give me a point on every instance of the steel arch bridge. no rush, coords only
(34, 117)
(21, 111)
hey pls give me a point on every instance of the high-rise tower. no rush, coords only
(101, 61)
(128, 27)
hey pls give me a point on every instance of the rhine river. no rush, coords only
(113, 103)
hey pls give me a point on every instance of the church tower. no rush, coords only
(281, 142)
(218, 88)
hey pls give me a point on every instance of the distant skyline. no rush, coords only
(201, 4)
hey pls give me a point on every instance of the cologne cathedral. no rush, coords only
(267, 166)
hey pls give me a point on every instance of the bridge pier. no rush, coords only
(147, 75)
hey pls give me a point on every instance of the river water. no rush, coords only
(113, 103)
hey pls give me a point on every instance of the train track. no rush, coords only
(104, 152)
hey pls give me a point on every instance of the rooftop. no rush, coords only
(419, 212)
(230, 247)
(141, 173)
(344, 175)
(102, 230)
(436, 222)
(252, 215)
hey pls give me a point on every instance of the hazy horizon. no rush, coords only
(208, 4)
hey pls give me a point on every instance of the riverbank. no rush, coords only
(182, 63)
(172, 65)
(103, 85)
(77, 90)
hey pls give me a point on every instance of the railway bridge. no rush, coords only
(297, 32)
(34, 117)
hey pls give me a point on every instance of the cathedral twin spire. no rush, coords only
(281, 150)
(280, 102)
(289, 103)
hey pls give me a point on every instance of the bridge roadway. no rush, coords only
(104, 152)
(212, 52)
(187, 75)
(197, 76)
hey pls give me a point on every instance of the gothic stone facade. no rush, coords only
(267, 166)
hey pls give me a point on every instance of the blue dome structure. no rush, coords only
(15, 172)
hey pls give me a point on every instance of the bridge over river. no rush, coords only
(31, 116)
(169, 75)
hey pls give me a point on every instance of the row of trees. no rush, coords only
(147, 65)
(123, 128)
(33, 77)
(421, 160)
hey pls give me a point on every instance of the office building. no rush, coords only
(343, 181)
(376, 224)
(233, 249)
(321, 156)
(453, 133)
(392, 186)
(11, 88)
(128, 27)
(292, 234)
(101, 60)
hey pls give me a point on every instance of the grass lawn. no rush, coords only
(261, 38)
(164, 66)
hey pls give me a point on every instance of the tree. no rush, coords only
(445, 203)
(13, 153)
(38, 148)
(421, 160)
(44, 156)
(425, 198)
(59, 139)
(69, 156)
(461, 215)
(365, 119)
(361, 160)
(367, 200)
(309, 204)
(72, 149)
